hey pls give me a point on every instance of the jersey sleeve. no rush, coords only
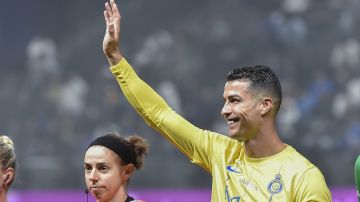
(194, 142)
(312, 187)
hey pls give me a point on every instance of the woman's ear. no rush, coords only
(128, 171)
(8, 176)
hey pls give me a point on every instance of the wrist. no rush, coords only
(114, 58)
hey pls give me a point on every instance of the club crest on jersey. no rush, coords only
(276, 185)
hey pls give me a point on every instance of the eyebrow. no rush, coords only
(233, 96)
(97, 164)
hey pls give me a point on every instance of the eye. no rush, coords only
(234, 101)
(87, 168)
(103, 169)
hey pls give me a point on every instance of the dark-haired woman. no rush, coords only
(109, 163)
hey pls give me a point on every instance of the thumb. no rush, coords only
(111, 29)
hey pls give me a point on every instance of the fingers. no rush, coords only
(107, 18)
(107, 14)
(111, 12)
(112, 17)
(108, 8)
(116, 16)
(112, 3)
(115, 10)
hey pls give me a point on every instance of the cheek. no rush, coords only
(112, 186)
(87, 179)
(113, 182)
(246, 110)
(239, 110)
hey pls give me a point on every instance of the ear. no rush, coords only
(266, 105)
(128, 171)
(8, 176)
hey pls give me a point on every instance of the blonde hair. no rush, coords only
(7, 154)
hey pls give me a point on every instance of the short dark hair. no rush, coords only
(262, 79)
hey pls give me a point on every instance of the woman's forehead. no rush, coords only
(98, 153)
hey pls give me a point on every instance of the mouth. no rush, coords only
(232, 121)
(96, 188)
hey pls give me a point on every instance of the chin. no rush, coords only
(101, 198)
(236, 136)
(98, 195)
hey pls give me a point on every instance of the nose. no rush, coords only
(93, 176)
(225, 111)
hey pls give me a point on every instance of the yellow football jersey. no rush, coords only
(286, 176)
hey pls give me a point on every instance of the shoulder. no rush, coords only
(224, 142)
(309, 182)
(299, 167)
(223, 139)
(297, 161)
(224, 148)
(312, 186)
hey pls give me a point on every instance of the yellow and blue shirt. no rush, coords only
(286, 176)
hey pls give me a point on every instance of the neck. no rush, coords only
(265, 143)
(3, 197)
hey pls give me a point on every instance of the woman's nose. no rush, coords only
(93, 176)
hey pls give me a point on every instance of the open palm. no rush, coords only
(112, 33)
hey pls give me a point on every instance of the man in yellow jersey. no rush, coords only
(252, 164)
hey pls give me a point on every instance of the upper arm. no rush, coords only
(312, 187)
(197, 144)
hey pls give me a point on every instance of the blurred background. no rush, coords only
(57, 94)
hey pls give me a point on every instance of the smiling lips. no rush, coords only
(231, 121)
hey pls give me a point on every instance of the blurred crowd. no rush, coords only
(62, 95)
